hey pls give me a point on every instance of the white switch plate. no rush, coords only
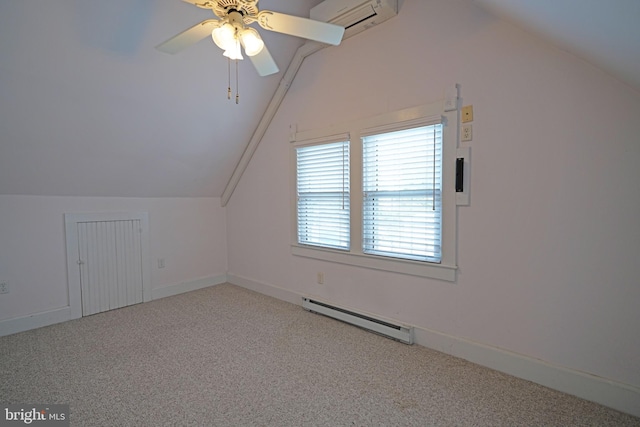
(451, 98)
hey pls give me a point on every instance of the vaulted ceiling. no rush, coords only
(603, 32)
(88, 107)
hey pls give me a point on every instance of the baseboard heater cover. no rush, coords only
(401, 333)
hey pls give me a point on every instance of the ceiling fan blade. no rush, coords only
(204, 4)
(264, 63)
(301, 27)
(188, 37)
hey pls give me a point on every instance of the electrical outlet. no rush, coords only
(467, 132)
(320, 278)
(4, 288)
(160, 262)
(467, 113)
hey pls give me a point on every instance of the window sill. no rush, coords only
(413, 268)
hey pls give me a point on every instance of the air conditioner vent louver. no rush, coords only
(354, 15)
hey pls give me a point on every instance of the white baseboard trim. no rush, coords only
(39, 320)
(191, 285)
(34, 321)
(616, 395)
(266, 289)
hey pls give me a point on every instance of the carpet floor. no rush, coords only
(226, 356)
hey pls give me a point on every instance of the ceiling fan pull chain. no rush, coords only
(229, 75)
(237, 85)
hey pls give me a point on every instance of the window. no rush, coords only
(323, 195)
(402, 187)
(380, 193)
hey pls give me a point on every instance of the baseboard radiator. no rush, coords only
(401, 333)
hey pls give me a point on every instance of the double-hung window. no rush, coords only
(402, 189)
(323, 195)
(379, 193)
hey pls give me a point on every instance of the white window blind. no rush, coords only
(323, 207)
(402, 200)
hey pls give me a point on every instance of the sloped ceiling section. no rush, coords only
(88, 107)
(605, 33)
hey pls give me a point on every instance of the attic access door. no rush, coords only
(106, 258)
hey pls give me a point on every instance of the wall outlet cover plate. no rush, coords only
(467, 113)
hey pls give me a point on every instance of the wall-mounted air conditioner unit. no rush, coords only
(354, 15)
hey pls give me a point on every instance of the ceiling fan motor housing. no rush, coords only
(246, 8)
(235, 19)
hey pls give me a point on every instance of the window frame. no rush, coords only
(398, 120)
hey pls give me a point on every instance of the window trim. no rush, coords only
(402, 119)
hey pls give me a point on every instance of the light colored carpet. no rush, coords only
(226, 356)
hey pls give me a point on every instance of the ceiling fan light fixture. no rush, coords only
(251, 41)
(234, 52)
(224, 36)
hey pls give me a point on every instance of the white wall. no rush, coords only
(548, 248)
(189, 233)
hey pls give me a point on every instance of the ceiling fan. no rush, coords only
(232, 31)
